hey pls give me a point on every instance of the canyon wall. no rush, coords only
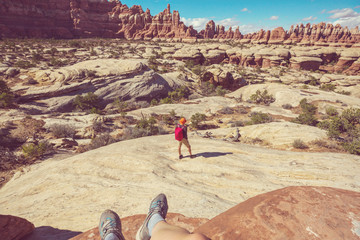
(112, 19)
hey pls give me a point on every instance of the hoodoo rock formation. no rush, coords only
(112, 19)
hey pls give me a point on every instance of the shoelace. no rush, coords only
(156, 205)
(109, 223)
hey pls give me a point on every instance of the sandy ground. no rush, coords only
(71, 193)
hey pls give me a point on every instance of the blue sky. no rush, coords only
(253, 15)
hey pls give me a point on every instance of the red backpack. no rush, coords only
(179, 133)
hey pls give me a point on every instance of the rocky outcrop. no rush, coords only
(290, 213)
(14, 228)
(111, 19)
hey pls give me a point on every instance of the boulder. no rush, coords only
(14, 228)
(185, 54)
(290, 213)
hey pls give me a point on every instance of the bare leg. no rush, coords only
(189, 148)
(180, 148)
(163, 231)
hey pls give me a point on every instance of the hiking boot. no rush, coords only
(110, 223)
(158, 205)
(181, 156)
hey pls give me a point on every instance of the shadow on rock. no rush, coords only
(212, 154)
(47, 232)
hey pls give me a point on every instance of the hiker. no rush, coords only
(154, 226)
(182, 137)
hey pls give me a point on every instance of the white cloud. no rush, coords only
(323, 11)
(244, 29)
(274, 17)
(357, 6)
(343, 13)
(229, 22)
(309, 19)
(345, 17)
(245, 10)
(197, 23)
(349, 22)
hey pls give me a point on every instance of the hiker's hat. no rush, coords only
(182, 121)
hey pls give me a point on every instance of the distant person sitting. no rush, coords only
(154, 227)
(181, 136)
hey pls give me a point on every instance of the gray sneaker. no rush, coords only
(158, 205)
(110, 223)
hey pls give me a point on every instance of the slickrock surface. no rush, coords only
(291, 213)
(14, 228)
(99, 18)
(125, 176)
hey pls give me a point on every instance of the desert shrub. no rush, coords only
(328, 87)
(220, 91)
(179, 93)
(93, 52)
(6, 96)
(343, 92)
(153, 63)
(55, 62)
(33, 151)
(166, 100)
(238, 123)
(197, 69)
(100, 141)
(75, 44)
(207, 88)
(287, 106)
(121, 106)
(89, 102)
(299, 144)
(154, 102)
(189, 64)
(8, 159)
(262, 97)
(172, 113)
(353, 147)
(148, 125)
(259, 118)
(226, 110)
(331, 111)
(197, 119)
(24, 64)
(36, 57)
(63, 130)
(307, 116)
(52, 51)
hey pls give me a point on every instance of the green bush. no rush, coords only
(33, 151)
(6, 96)
(197, 119)
(207, 88)
(24, 64)
(121, 106)
(89, 102)
(100, 141)
(220, 91)
(299, 144)
(328, 87)
(287, 106)
(57, 62)
(307, 116)
(259, 118)
(154, 102)
(262, 97)
(197, 69)
(75, 44)
(353, 147)
(179, 93)
(148, 125)
(331, 111)
(166, 100)
(63, 130)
